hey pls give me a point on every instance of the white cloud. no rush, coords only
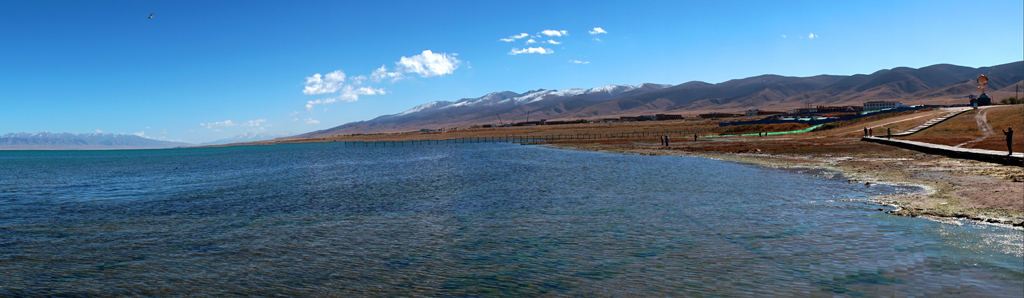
(141, 134)
(348, 94)
(320, 84)
(784, 36)
(812, 36)
(598, 30)
(550, 32)
(529, 41)
(383, 73)
(369, 91)
(515, 37)
(311, 121)
(251, 123)
(99, 130)
(358, 80)
(312, 103)
(429, 64)
(537, 50)
(553, 42)
(579, 62)
(210, 125)
(426, 64)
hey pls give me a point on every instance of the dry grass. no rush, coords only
(647, 129)
(954, 131)
(1000, 118)
(899, 122)
(909, 121)
(757, 128)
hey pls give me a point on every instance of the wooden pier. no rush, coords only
(994, 156)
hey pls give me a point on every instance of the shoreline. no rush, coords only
(951, 187)
(912, 204)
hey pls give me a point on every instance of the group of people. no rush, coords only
(869, 132)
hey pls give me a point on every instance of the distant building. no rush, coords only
(758, 112)
(982, 100)
(718, 115)
(663, 117)
(881, 105)
(803, 111)
(834, 109)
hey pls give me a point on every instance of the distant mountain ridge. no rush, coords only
(249, 137)
(489, 108)
(91, 141)
(767, 92)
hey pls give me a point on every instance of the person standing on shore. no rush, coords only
(888, 133)
(1009, 139)
(666, 141)
(865, 131)
(871, 132)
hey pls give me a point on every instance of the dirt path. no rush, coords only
(981, 118)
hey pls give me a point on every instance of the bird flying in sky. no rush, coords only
(150, 16)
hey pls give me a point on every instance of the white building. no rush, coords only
(881, 105)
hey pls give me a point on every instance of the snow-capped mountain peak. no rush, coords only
(532, 96)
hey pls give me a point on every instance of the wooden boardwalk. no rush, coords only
(1017, 159)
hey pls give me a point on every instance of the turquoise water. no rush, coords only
(468, 220)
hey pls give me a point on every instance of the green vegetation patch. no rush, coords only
(757, 128)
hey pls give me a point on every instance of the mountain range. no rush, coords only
(249, 137)
(766, 92)
(90, 141)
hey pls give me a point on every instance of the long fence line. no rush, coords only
(678, 135)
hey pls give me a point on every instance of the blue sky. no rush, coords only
(205, 70)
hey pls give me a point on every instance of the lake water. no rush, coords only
(468, 220)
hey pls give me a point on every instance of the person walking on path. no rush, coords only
(871, 132)
(888, 133)
(865, 131)
(1009, 139)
